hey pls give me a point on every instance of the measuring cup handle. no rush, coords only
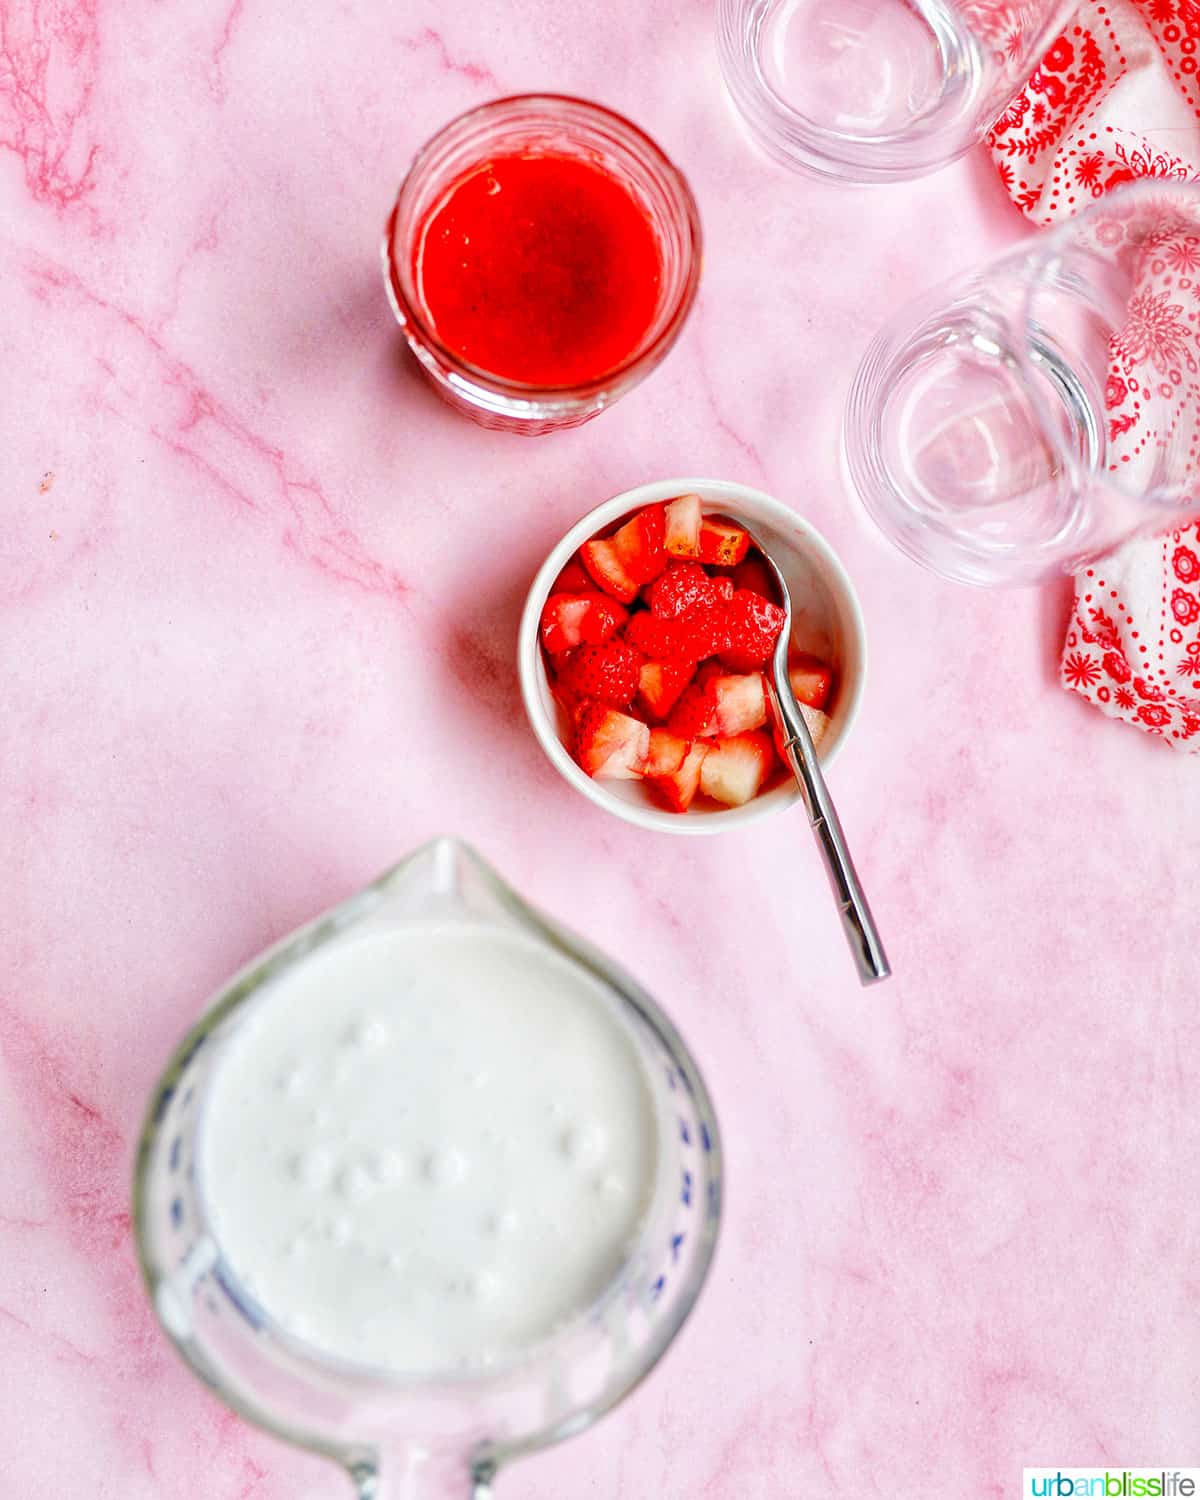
(416, 1474)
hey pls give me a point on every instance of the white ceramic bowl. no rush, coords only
(826, 620)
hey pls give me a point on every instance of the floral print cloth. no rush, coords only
(1115, 98)
(1133, 645)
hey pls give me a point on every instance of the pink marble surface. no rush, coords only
(258, 598)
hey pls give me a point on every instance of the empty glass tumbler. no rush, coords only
(878, 90)
(1033, 413)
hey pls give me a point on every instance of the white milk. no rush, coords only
(428, 1150)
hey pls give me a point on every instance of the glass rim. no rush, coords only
(406, 305)
(923, 145)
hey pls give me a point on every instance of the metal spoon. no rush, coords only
(859, 924)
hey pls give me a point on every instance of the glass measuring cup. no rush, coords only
(417, 1436)
(1035, 412)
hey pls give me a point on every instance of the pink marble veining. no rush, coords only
(258, 600)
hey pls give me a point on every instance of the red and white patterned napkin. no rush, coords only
(1117, 97)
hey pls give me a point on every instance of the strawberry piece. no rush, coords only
(661, 683)
(811, 680)
(639, 544)
(682, 527)
(572, 580)
(817, 721)
(699, 632)
(741, 703)
(695, 715)
(723, 589)
(610, 744)
(666, 753)
(602, 562)
(722, 543)
(563, 695)
(734, 769)
(753, 575)
(655, 638)
(705, 632)
(570, 620)
(562, 622)
(818, 724)
(753, 624)
(679, 588)
(680, 786)
(608, 673)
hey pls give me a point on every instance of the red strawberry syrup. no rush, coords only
(542, 269)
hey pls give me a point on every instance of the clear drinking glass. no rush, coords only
(878, 90)
(1033, 413)
(408, 1436)
(538, 124)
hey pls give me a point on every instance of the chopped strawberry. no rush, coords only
(707, 630)
(723, 588)
(741, 703)
(811, 680)
(695, 715)
(699, 632)
(682, 529)
(602, 562)
(753, 575)
(818, 724)
(681, 586)
(722, 543)
(734, 769)
(680, 786)
(610, 744)
(563, 695)
(639, 545)
(570, 620)
(572, 580)
(666, 753)
(660, 685)
(817, 721)
(608, 673)
(562, 622)
(754, 624)
(655, 638)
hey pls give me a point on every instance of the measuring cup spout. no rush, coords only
(446, 878)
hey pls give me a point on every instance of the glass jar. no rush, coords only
(552, 125)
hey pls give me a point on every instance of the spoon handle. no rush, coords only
(859, 924)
